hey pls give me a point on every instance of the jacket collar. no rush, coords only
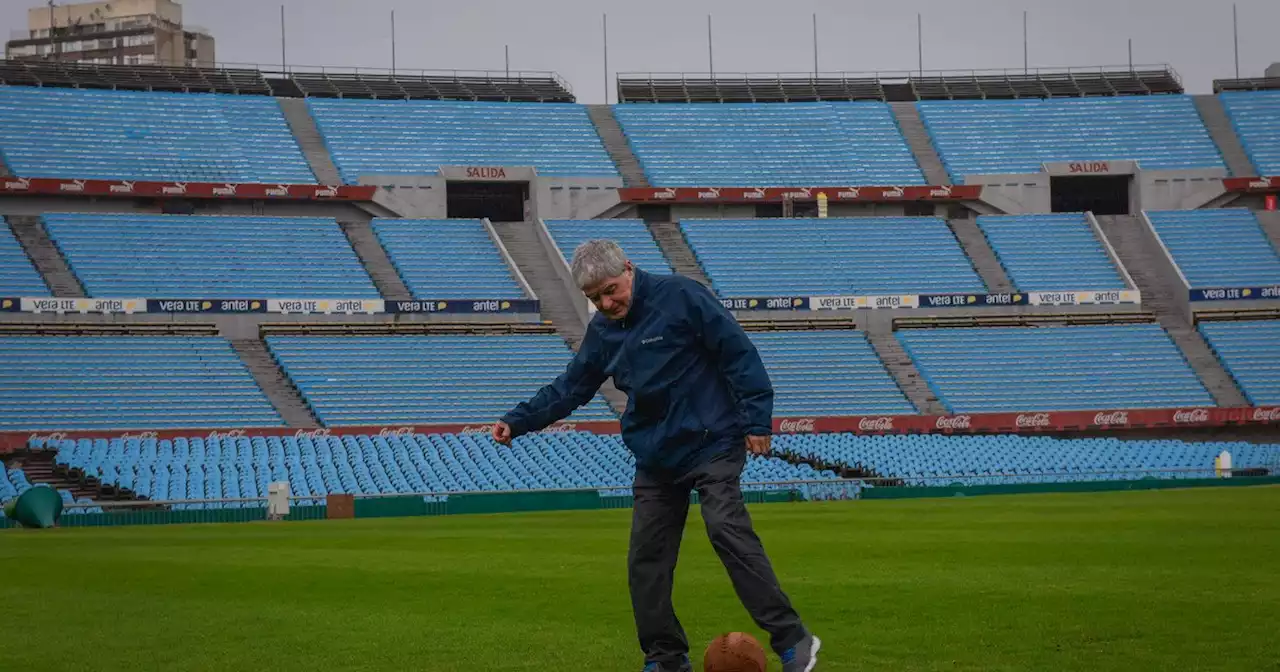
(640, 287)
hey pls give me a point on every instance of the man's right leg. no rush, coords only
(657, 524)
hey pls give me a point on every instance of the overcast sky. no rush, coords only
(749, 35)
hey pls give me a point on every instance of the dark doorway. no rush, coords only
(1101, 194)
(655, 213)
(499, 201)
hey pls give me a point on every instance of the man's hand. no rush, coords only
(758, 445)
(501, 433)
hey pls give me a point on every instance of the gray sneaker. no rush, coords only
(802, 657)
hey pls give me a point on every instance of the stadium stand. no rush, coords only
(1007, 369)
(418, 136)
(18, 277)
(1247, 351)
(769, 145)
(218, 467)
(1017, 136)
(631, 234)
(1223, 247)
(876, 255)
(14, 482)
(446, 259)
(1050, 252)
(938, 460)
(412, 379)
(1256, 118)
(62, 383)
(184, 256)
(820, 373)
(132, 135)
(133, 77)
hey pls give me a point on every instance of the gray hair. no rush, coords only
(597, 260)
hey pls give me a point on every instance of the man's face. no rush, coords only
(612, 296)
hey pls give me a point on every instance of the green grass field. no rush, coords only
(1160, 580)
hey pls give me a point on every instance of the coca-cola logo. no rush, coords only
(797, 426)
(127, 436)
(20, 184)
(560, 428)
(1032, 420)
(1194, 415)
(954, 422)
(476, 429)
(398, 431)
(312, 434)
(229, 434)
(56, 436)
(1113, 418)
(883, 423)
(1266, 414)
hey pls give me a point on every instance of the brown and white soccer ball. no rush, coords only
(734, 652)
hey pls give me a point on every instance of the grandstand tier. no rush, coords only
(856, 255)
(975, 137)
(390, 137)
(1050, 252)
(432, 379)
(825, 373)
(18, 277)
(769, 145)
(1247, 351)
(1218, 247)
(134, 135)
(447, 259)
(1255, 116)
(630, 234)
(974, 370)
(60, 383)
(152, 256)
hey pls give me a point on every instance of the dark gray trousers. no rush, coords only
(657, 524)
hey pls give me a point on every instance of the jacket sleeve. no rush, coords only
(580, 381)
(738, 359)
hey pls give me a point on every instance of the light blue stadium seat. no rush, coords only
(631, 235)
(1006, 369)
(17, 276)
(368, 137)
(1220, 247)
(841, 255)
(1247, 350)
(769, 144)
(138, 135)
(822, 373)
(51, 383)
(210, 256)
(976, 137)
(939, 460)
(414, 379)
(1255, 115)
(1050, 252)
(447, 259)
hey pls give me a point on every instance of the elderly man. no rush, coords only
(698, 400)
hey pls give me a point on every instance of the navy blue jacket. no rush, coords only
(694, 381)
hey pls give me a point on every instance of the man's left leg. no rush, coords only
(729, 527)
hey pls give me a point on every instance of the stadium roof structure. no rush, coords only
(1247, 84)
(296, 81)
(896, 86)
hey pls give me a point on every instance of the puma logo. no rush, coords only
(651, 340)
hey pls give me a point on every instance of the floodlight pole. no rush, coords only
(711, 59)
(604, 26)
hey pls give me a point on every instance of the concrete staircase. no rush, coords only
(981, 255)
(1162, 294)
(279, 389)
(376, 263)
(1270, 223)
(918, 140)
(1224, 135)
(533, 258)
(904, 372)
(308, 136)
(615, 142)
(675, 247)
(4, 169)
(46, 257)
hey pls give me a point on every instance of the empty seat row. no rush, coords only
(631, 235)
(447, 259)
(1223, 247)
(18, 277)
(1050, 252)
(1255, 116)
